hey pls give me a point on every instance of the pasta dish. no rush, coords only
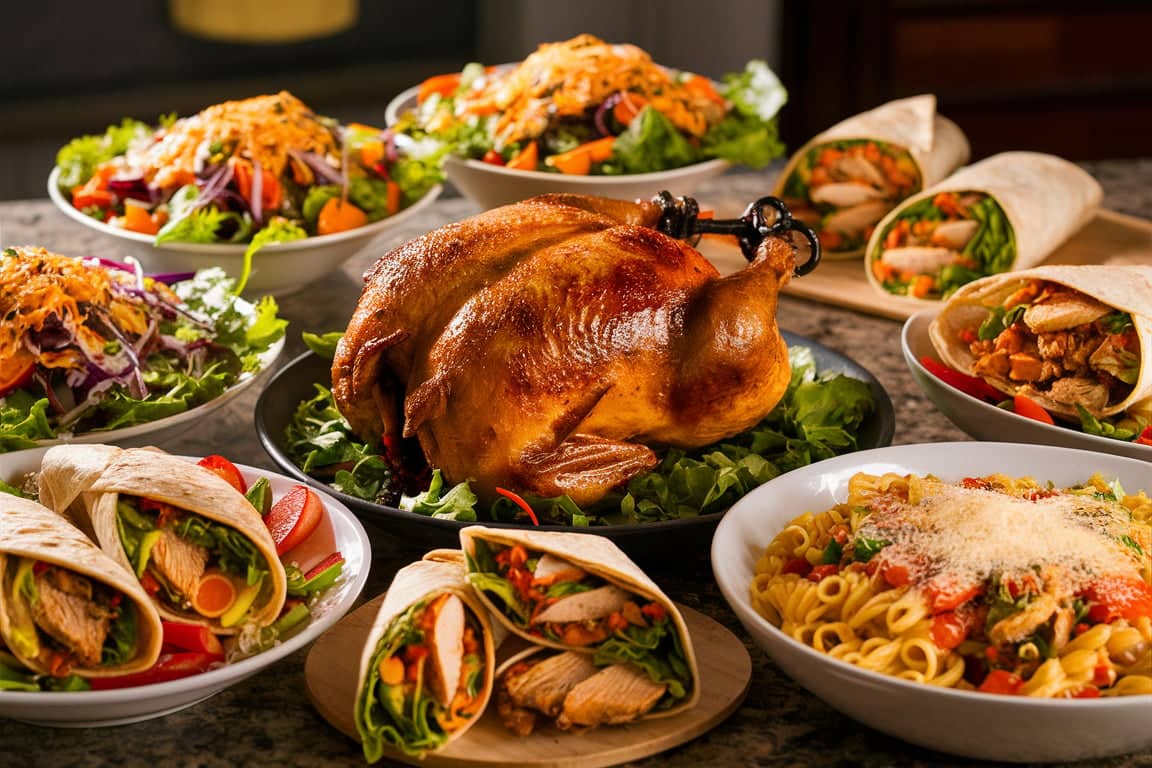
(996, 584)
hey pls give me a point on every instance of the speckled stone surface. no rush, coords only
(267, 719)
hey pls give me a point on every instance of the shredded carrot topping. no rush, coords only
(570, 77)
(39, 287)
(262, 128)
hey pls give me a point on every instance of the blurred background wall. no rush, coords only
(1072, 78)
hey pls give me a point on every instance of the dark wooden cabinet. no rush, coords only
(1071, 78)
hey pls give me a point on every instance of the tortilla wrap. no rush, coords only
(1045, 198)
(1124, 288)
(74, 483)
(31, 530)
(936, 144)
(413, 584)
(599, 557)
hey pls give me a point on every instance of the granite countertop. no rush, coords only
(267, 719)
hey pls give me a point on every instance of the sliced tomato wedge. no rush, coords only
(293, 517)
(1029, 408)
(226, 469)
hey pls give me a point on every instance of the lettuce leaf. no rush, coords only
(79, 158)
(655, 649)
(651, 143)
(458, 503)
(748, 134)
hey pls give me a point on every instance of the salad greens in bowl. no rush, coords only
(832, 406)
(273, 193)
(588, 117)
(96, 351)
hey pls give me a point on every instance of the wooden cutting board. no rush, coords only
(332, 668)
(1109, 238)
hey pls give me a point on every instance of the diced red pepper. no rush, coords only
(1001, 681)
(1145, 436)
(948, 630)
(170, 666)
(820, 572)
(191, 637)
(1030, 409)
(970, 385)
(797, 565)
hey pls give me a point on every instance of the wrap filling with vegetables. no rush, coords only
(427, 667)
(848, 177)
(1072, 338)
(197, 546)
(577, 592)
(1007, 212)
(65, 607)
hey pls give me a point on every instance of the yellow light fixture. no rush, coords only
(263, 22)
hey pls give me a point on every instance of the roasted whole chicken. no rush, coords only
(547, 346)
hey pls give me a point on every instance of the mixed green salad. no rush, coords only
(89, 345)
(819, 416)
(260, 170)
(583, 106)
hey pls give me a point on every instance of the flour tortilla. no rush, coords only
(442, 573)
(600, 557)
(1045, 198)
(935, 143)
(29, 529)
(1125, 288)
(85, 486)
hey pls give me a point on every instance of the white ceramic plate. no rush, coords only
(984, 726)
(100, 708)
(277, 269)
(985, 421)
(152, 432)
(490, 186)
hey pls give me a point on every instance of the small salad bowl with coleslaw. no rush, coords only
(991, 600)
(264, 188)
(587, 117)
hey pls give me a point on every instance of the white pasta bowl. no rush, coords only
(972, 724)
(278, 268)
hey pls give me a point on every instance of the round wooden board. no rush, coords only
(332, 668)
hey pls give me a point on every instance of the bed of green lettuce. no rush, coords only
(819, 416)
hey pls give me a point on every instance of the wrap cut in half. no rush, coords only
(579, 592)
(846, 178)
(428, 664)
(65, 606)
(196, 544)
(1007, 212)
(1067, 337)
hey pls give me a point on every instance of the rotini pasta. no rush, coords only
(997, 584)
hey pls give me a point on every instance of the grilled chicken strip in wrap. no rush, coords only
(65, 606)
(1006, 212)
(845, 179)
(180, 528)
(1068, 337)
(570, 689)
(427, 667)
(579, 592)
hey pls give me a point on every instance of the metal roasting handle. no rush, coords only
(680, 218)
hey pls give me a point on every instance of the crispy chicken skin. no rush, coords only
(544, 346)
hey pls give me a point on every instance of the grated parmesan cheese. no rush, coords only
(970, 534)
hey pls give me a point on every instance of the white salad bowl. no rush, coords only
(277, 269)
(78, 709)
(972, 724)
(490, 186)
